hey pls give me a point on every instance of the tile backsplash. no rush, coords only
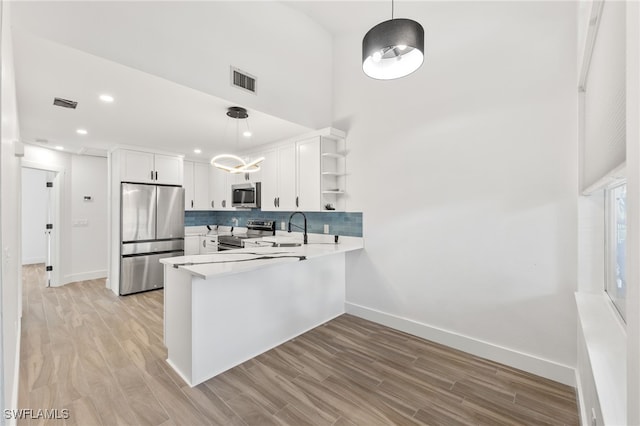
(340, 223)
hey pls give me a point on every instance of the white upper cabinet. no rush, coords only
(250, 177)
(146, 167)
(201, 186)
(168, 169)
(287, 178)
(188, 185)
(278, 174)
(269, 182)
(196, 186)
(308, 174)
(220, 189)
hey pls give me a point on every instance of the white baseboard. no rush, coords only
(16, 375)
(84, 276)
(530, 363)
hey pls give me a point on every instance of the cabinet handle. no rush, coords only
(275, 202)
(211, 204)
(151, 174)
(191, 203)
(224, 203)
(156, 175)
(204, 243)
(278, 201)
(297, 203)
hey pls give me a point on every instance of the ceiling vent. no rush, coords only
(243, 80)
(65, 103)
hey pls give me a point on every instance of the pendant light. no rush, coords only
(233, 163)
(393, 49)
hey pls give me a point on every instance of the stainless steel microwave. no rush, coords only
(245, 195)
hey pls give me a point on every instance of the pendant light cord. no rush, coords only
(391, 9)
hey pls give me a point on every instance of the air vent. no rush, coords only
(65, 103)
(243, 80)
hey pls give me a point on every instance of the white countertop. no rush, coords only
(241, 260)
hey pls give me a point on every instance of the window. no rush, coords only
(616, 249)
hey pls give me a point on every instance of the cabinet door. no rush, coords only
(188, 185)
(136, 166)
(201, 186)
(308, 162)
(191, 244)
(220, 189)
(168, 169)
(256, 176)
(269, 176)
(287, 178)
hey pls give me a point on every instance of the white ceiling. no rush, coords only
(149, 111)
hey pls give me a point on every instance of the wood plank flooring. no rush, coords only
(101, 357)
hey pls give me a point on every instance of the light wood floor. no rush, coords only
(101, 357)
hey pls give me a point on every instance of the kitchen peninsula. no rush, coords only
(225, 308)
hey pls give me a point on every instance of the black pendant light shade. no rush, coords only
(393, 49)
(237, 112)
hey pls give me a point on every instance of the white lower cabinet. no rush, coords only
(191, 245)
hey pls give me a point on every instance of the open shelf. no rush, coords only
(333, 155)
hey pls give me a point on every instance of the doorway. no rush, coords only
(40, 221)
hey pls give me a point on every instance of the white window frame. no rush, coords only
(610, 249)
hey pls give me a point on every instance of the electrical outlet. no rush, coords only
(283, 226)
(326, 228)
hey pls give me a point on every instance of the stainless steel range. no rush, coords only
(255, 229)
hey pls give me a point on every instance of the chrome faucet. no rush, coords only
(305, 224)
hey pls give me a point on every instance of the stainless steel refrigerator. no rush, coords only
(151, 228)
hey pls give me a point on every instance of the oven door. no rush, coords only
(223, 247)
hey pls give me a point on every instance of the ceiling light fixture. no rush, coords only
(232, 163)
(197, 151)
(106, 98)
(393, 49)
(81, 132)
(60, 148)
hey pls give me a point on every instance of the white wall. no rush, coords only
(89, 218)
(10, 175)
(633, 212)
(83, 248)
(34, 216)
(288, 53)
(466, 172)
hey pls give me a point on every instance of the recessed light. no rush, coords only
(60, 148)
(247, 134)
(81, 132)
(106, 98)
(197, 151)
